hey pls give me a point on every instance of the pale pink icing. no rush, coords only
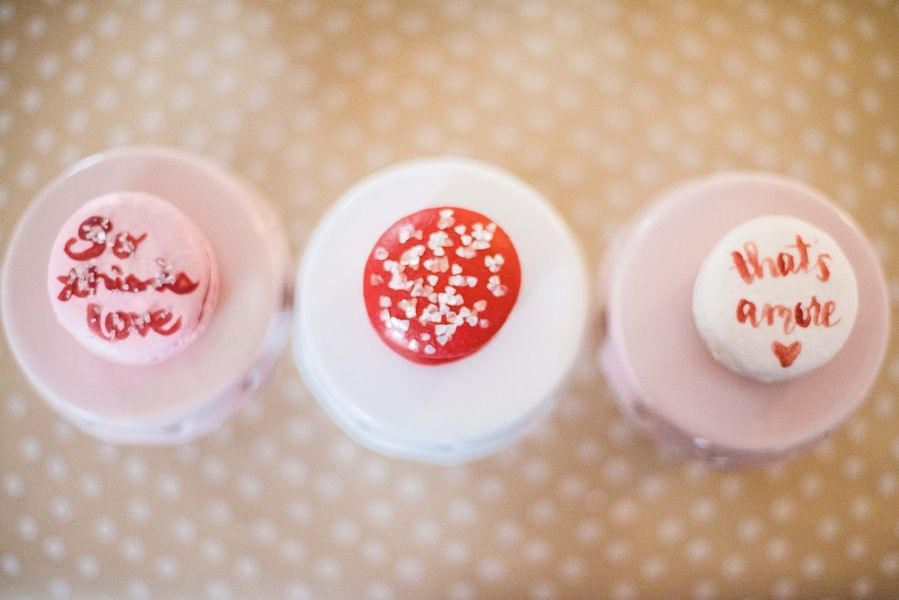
(171, 263)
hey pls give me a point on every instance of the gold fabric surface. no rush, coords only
(600, 105)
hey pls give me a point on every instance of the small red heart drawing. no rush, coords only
(786, 354)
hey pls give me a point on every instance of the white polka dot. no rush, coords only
(491, 569)
(292, 552)
(856, 548)
(81, 48)
(88, 567)
(7, 10)
(345, 532)
(698, 550)
(35, 27)
(410, 570)
(837, 84)
(618, 551)
(784, 589)
(219, 590)
(853, 468)
(777, 549)
(543, 590)
(461, 591)
(54, 548)
(30, 448)
(109, 25)
(812, 566)
(106, 530)
(862, 588)
(782, 509)
(328, 568)
(10, 565)
(703, 510)
(61, 508)
(8, 49)
(670, 530)
(59, 588)
(132, 549)
(219, 511)
(28, 528)
(574, 569)
(32, 99)
(624, 590)
(654, 568)
(704, 590)
(135, 469)
(13, 484)
(380, 591)
(247, 568)
(184, 530)
(138, 590)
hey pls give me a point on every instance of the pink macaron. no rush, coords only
(132, 278)
(145, 294)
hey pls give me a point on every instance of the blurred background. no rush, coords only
(600, 105)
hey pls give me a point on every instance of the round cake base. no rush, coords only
(457, 410)
(194, 391)
(660, 370)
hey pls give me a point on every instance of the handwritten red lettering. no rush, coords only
(812, 314)
(98, 231)
(126, 244)
(84, 282)
(119, 325)
(750, 266)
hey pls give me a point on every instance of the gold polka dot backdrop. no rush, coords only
(599, 105)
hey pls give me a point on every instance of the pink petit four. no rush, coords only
(132, 278)
(145, 294)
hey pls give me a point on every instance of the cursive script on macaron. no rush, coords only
(775, 297)
(95, 236)
(795, 260)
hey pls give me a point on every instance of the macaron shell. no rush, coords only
(440, 283)
(171, 239)
(748, 319)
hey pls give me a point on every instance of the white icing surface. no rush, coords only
(775, 298)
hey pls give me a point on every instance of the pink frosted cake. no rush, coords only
(132, 278)
(145, 294)
(746, 317)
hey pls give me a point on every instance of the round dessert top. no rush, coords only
(775, 298)
(132, 278)
(440, 283)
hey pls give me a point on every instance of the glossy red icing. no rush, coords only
(440, 283)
